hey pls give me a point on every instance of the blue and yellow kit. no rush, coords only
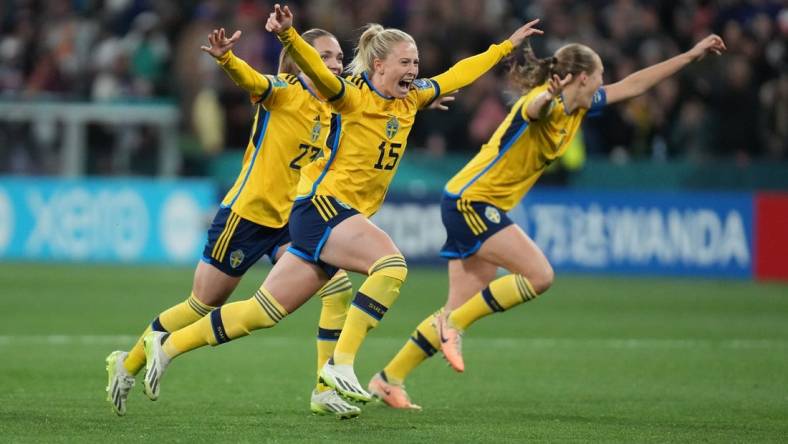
(477, 198)
(289, 130)
(369, 138)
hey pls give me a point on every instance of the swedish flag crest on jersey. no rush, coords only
(392, 126)
(316, 129)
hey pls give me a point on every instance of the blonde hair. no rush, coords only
(375, 42)
(532, 71)
(286, 63)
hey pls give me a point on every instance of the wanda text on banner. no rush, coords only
(693, 234)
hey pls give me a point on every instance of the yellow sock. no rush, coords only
(422, 344)
(226, 323)
(373, 299)
(334, 297)
(174, 318)
(502, 294)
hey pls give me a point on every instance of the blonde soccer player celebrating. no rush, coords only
(558, 93)
(337, 194)
(290, 128)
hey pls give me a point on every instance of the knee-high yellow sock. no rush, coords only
(227, 323)
(174, 318)
(502, 294)
(422, 344)
(334, 297)
(373, 299)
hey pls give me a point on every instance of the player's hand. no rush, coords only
(524, 32)
(711, 44)
(219, 44)
(441, 103)
(557, 84)
(280, 20)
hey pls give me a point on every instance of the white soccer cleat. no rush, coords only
(329, 403)
(156, 362)
(119, 382)
(342, 379)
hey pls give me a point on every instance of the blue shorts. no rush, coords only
(235, 244)
(311, 222)
(468, 224)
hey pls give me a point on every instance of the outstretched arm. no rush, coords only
(540, 106)
(306, 57)
(466, 71)
(640, 81)
(239, 71)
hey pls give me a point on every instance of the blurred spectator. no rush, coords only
(130, 50)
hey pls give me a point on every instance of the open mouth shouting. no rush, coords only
(403, 86)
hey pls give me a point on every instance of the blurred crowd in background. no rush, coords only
(733, 107)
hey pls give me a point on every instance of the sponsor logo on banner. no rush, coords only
(6, 220)
(694, 234)
(109, 220)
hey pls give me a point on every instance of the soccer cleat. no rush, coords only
(329, 403)
(392, 394)
(120, 382)
(156, 362)
(342, 379)
(451, 341)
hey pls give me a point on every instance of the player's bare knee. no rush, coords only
(542, 279)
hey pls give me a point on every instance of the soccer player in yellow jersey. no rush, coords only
(290, 128)
(559, 92)
(337, 194)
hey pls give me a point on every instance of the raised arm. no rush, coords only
(306, 57)
(640, 81)
(239, 71)
(466, 71)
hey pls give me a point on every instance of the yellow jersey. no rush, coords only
(289, 130)
(370, 139)
(512, 160)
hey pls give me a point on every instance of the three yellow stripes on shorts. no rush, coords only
(220, 248)
(324, 207)
(472, 218)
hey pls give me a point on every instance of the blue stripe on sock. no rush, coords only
(218, 327)
(423, 343)
(369, 306)
(325, 334)
(490, 300)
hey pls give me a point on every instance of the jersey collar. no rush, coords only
(306, 87)
(372, 87)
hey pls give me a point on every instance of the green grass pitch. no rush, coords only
(595, 359)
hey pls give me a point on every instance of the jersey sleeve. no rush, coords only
(426, 91)
(529, 97)
(257, 85)
(466, 71)
(332, 87)
(597, 103)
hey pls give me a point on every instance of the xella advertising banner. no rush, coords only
(104, 220)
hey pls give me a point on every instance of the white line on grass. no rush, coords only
(504, 343)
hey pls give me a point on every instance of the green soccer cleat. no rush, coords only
(342, 379)
(119, 382)
(329, 403)
(156, 362)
